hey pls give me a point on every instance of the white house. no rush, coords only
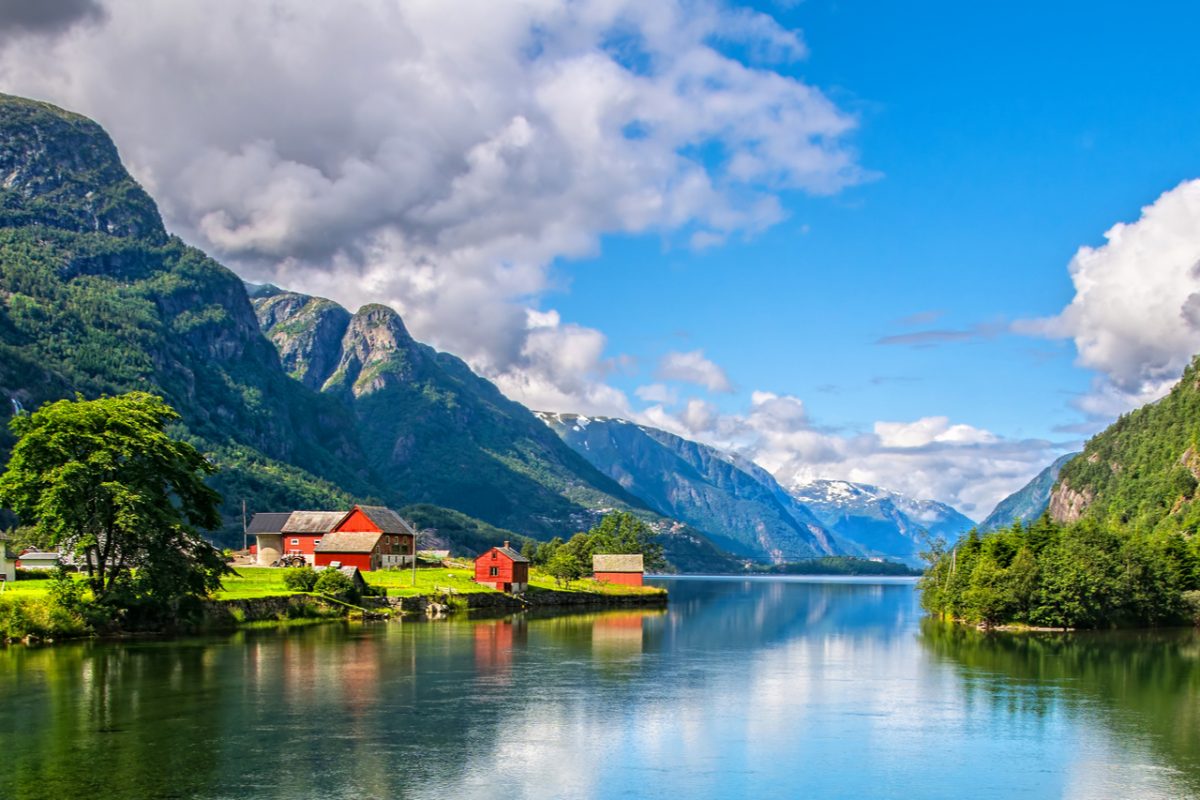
(8, 566)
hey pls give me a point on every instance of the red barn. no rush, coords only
(503, 568)
(301, 533)
(368, 537)
(626, 569)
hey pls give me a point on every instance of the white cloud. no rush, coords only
(657, 393)
(439, 155)
(930, 458)
(1135, 317)
(692, 367)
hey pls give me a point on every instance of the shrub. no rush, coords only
(334, 583)
(1191, 603)
(300, 579)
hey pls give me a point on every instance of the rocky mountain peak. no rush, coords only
(61, 170)
(376, 350)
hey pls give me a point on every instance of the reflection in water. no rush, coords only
(762, 688)
(1141, 688)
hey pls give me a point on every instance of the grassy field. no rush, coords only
(453, 578)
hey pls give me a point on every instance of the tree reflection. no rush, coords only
(1146, 682)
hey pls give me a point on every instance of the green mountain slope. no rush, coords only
(439, 432)
(97, 298)
(1143, 470)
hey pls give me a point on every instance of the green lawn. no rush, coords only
(455, 577)
(25, 588)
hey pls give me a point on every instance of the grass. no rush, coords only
(453, 578)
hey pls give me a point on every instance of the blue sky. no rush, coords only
(870, 241)
(1006, 136)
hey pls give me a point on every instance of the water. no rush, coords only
(744, 688)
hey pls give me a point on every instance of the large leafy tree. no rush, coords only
(104, 480)
(622, 532)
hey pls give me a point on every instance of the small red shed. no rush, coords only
(621, 568)
(503, 568)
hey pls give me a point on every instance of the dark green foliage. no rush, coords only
(103, 481)
(838, 565)
(1083, 575)
(564, 566)
(620, 532)
(300, 579)
(334, 583)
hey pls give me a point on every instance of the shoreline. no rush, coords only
(303, 609)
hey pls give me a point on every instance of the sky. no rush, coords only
(927, 246)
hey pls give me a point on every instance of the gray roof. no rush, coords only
(617, 562)
(513, 554)
(40, 555)
(312, 521)
(386, 520)
(353, 574)
(348, 542)
(268, 522)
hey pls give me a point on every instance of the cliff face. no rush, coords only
(1143, 469)
(1030, 501)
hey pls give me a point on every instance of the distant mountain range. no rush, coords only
(877, 521)
(743, 507)
(743, 513)
(1029, 502)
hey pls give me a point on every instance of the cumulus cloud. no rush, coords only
(438, 155)
(1135, 317)
(692, 367)
(934, 458)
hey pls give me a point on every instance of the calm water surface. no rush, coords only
(745, 688)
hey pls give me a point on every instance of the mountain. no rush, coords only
(97, 298)
(878, 522)
(737, 504)
(1143, 470)
(1028, 502)
(441, 433)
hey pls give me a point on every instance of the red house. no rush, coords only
(302, 532)
(626, 569)
(503, 568)
(368, 537)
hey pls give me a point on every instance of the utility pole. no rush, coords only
(414, 555)
(245, 528)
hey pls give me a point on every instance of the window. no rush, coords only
(316, 542)
(295, 541)
(493, 555)
(493, 571)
